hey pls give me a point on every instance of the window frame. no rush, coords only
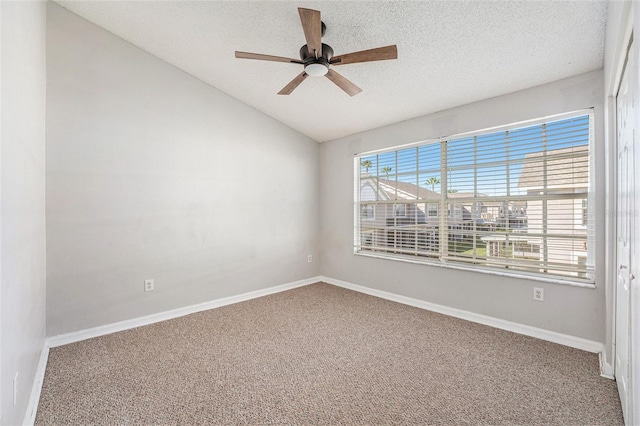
(400, 213)
(373, 211)
(433, 208)
(449, 204)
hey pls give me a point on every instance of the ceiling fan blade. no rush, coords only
(343, 83)
(312, 26)
(286, 90)
(261, 57)
(378, 54)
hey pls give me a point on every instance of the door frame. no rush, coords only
(612, 88)
(625, 202)
(612, 85)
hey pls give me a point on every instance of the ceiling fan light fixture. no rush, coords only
(316, 69)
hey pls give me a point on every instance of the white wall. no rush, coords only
(22, 180)
(151, 173)
(570, 310)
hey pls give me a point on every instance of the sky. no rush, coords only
(499, 157)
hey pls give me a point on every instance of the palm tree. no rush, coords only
(433, 181)
(366, 164)
(386, 170)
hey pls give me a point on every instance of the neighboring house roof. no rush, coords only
(411, 191)
(452, 195)
(565, 167)
(515, 204)
(462, 194)
(403, 189)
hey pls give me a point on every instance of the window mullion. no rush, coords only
(444, 231)
(377, 181)
(358, 208)
(475, 194)
(396, 233)
(506, 205)
(545, 192)
(415, 205)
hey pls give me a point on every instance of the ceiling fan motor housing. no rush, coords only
(305, 55)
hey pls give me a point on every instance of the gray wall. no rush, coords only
(22, 260)
(151, 173)
(571, 310)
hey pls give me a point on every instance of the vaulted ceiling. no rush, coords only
(450, 53)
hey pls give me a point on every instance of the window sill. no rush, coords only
(483, 270)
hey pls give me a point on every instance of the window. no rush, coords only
(399, 210)
(511, 199)
(367, 211)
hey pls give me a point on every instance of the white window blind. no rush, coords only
(516, 199)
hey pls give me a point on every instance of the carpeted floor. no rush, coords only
(323, 355)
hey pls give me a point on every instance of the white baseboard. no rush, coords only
(606, 369)
(551, 336)
(36, 388)
(76, 336)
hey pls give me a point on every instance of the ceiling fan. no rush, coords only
(318, 58)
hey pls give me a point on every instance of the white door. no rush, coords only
(625, 192)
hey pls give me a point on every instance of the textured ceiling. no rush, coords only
(449, 53)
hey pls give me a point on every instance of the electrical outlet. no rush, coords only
(15, 389)
(538, 294)
(148, 285)
(310, 259)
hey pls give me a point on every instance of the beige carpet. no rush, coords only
(323, 355)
